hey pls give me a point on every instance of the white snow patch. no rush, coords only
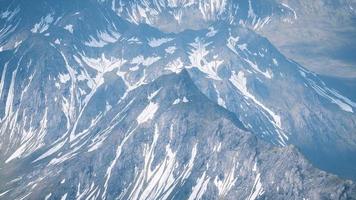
(175, 66)
(199, 189)
(225, 185)
(177, 101)
(159, 182)
(181, 100)
(103, 64)
(221, 101)
(212, 32)
(287, 6)
(154, 94)
(69, 28)
(17, 43)
(9, 14)
(134, 40)
(185, 100)
(134, 68)
(148, 113)
(63, 78)
(231, 43)
(239, 81)
(198, 60)
(275, 62)
(267, 74)
(140, 60)
(43, 25)
(158, 42)
(257, 189)
(260, 23)
(103, 38)
(2, 194)
(334, 97)
(303, 74)
(48, 196)
(31, 139)
(211, 9)
(242, 47)
(171, 49)
(64, 197)
(51, 151)
(57, 41)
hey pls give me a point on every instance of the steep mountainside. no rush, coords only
(99, 100)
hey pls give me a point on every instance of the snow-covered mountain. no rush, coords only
(164, 100)
(178, 15)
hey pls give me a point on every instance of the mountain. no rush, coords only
(325, 41)
(177, 15)
(123, 99)
(303, 113)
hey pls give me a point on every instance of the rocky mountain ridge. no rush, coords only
(95, 106)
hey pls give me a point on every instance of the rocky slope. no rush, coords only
(95, 105)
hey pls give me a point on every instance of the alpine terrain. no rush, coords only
(166, 99)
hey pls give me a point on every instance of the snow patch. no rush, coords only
(103, 38)
(140, 60)
(175, 66)
(232, 42)
(257, 189)
(148, 113)
(240, 82)
(51, 151)
(154, 94)
(197, 58)
(43, 25)
(134, 40)
(103, 64)
(221, 101)
(181, 100)
(9, 14)
(199, 189)
(158, 42)
(225, 185)
(69, 28)
(294, 13)
(63, 78)
(64, 197)
(171, 49)
(344, 103)
(275, 62)
(57, 41)
(242, 47)
(212, 32)
(267, 73)
(177, 101)
(48, 196)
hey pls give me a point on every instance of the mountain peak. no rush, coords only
(121, 100)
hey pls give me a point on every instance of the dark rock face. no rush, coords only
(94, 106)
